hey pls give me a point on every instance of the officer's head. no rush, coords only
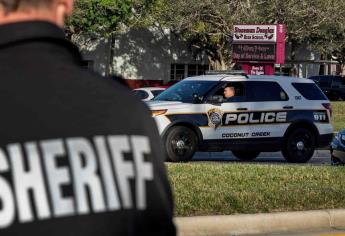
(229, 92)
(54, 11)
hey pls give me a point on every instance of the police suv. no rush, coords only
(267, 114)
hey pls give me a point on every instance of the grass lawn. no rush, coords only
(338, 118)
(217, 189)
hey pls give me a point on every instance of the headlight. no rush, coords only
(158, 112)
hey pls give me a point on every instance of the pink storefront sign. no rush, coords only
(258, 69)
(259, 47)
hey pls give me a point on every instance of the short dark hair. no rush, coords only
(229, 86)
(14, 5)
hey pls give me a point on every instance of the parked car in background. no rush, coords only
(338, 148)
(332, 85)
(148, 93)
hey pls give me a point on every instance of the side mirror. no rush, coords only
(216, 100)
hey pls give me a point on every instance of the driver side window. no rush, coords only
(231, 92)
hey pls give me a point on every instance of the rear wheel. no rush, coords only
(246, 155)
(180, 144)
(299, 146)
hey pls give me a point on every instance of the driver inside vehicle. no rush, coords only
(229, 92)
(232, 92)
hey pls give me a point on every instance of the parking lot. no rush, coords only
(321, 157)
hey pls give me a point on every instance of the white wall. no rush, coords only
(305, 70)
(96, 50)
(139, 54)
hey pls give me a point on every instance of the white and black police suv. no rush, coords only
(267, 114)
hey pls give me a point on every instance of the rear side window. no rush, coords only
(310, 91)
(141, 94)
(338, 82)
(265, 92)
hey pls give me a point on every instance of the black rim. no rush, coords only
(182, 144)
(301, 145)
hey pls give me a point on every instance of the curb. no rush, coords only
(260, 223)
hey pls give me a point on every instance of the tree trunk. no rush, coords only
(342, 69)
(322, 66)
(218, 62)
(111, 70)
(293, 71)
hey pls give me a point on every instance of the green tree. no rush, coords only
(104, 18)
(207, 25)
(319, 24)
(331, 38)
(99, 17)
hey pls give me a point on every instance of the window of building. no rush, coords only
(181, 71)
(87, 64)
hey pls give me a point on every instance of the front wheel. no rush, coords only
(246, 155)
(299, 146)
(180, 144)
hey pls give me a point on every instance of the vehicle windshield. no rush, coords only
(185, 91)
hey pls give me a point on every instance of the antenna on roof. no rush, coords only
(226, 72)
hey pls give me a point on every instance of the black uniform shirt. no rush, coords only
(79, 155)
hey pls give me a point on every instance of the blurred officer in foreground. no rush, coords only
(79, 155)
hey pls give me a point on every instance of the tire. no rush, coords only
(299, 146)
(180, 144)
(246, 155)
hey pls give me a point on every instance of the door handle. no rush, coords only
(242, 109)
(288, 107)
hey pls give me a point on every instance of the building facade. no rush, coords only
(152, 56)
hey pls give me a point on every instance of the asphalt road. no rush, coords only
(321, 157)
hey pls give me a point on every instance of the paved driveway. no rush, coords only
(321, 157)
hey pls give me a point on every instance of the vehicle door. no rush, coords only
(225, 121)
